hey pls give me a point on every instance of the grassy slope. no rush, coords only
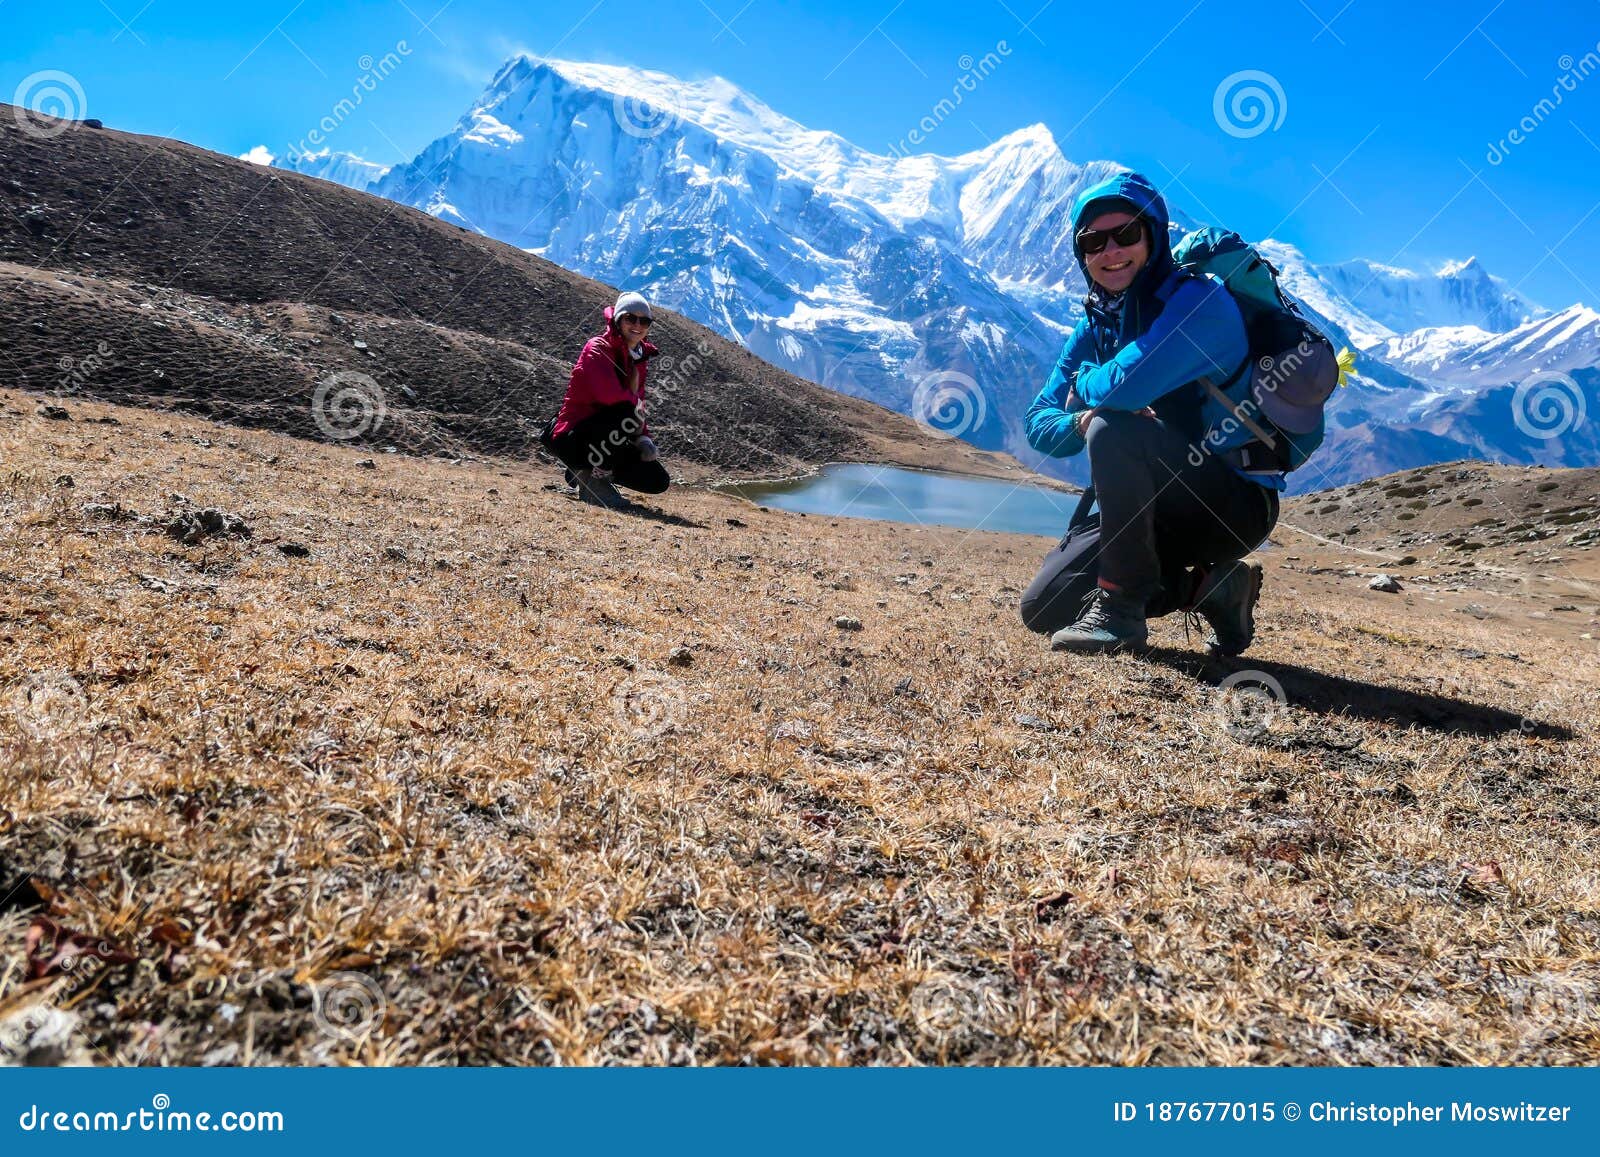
(447, 766)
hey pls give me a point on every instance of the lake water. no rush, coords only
(918, 496)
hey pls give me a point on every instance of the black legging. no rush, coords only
(1160, 515)
(605, 440)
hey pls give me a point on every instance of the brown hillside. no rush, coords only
(143, 270)
(1510, 545)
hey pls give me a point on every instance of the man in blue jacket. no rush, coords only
(1174, 518)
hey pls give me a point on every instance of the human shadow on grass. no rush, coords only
(651, 514)
(1328, 694)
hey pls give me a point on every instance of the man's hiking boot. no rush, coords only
(1227, 601)
(1110, 622)
(594, 490)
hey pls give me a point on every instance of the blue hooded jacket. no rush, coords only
(1174, 329)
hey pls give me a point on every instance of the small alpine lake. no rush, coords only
(923, 497)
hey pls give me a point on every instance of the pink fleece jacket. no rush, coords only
(600, 378)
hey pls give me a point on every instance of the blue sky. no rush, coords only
(1388, 111)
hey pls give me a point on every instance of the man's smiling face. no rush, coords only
(1115, 266)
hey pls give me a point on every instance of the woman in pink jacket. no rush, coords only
(599, 433)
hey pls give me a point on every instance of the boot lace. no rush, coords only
(1192, 618)
(1092, 611)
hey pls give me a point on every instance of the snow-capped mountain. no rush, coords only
(1467, 355)
(341, 168)
(1429, 351)
(1461, 293)
(842, 266)
(876, 274)
(1377, 304)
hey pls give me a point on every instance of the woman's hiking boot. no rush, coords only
(1226, 600)
(1110, 622)
(595, 489)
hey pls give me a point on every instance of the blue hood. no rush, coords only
(1129, 192)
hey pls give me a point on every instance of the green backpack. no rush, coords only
(1293, 367)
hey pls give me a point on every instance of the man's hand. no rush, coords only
(1081, 419)
(647, 449)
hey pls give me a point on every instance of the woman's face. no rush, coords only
(634, 328)
(1115, 266)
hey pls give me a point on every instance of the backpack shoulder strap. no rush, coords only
(1173, 282)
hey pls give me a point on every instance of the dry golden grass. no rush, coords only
(447, 791)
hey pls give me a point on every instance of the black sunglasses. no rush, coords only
(1095, 240)
(636, 319)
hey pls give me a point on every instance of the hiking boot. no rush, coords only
(569, 478)
(1110, 622)
(1227, 601)
(594, 490)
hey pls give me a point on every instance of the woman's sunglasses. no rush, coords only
(1095, 240)
(636, 319)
